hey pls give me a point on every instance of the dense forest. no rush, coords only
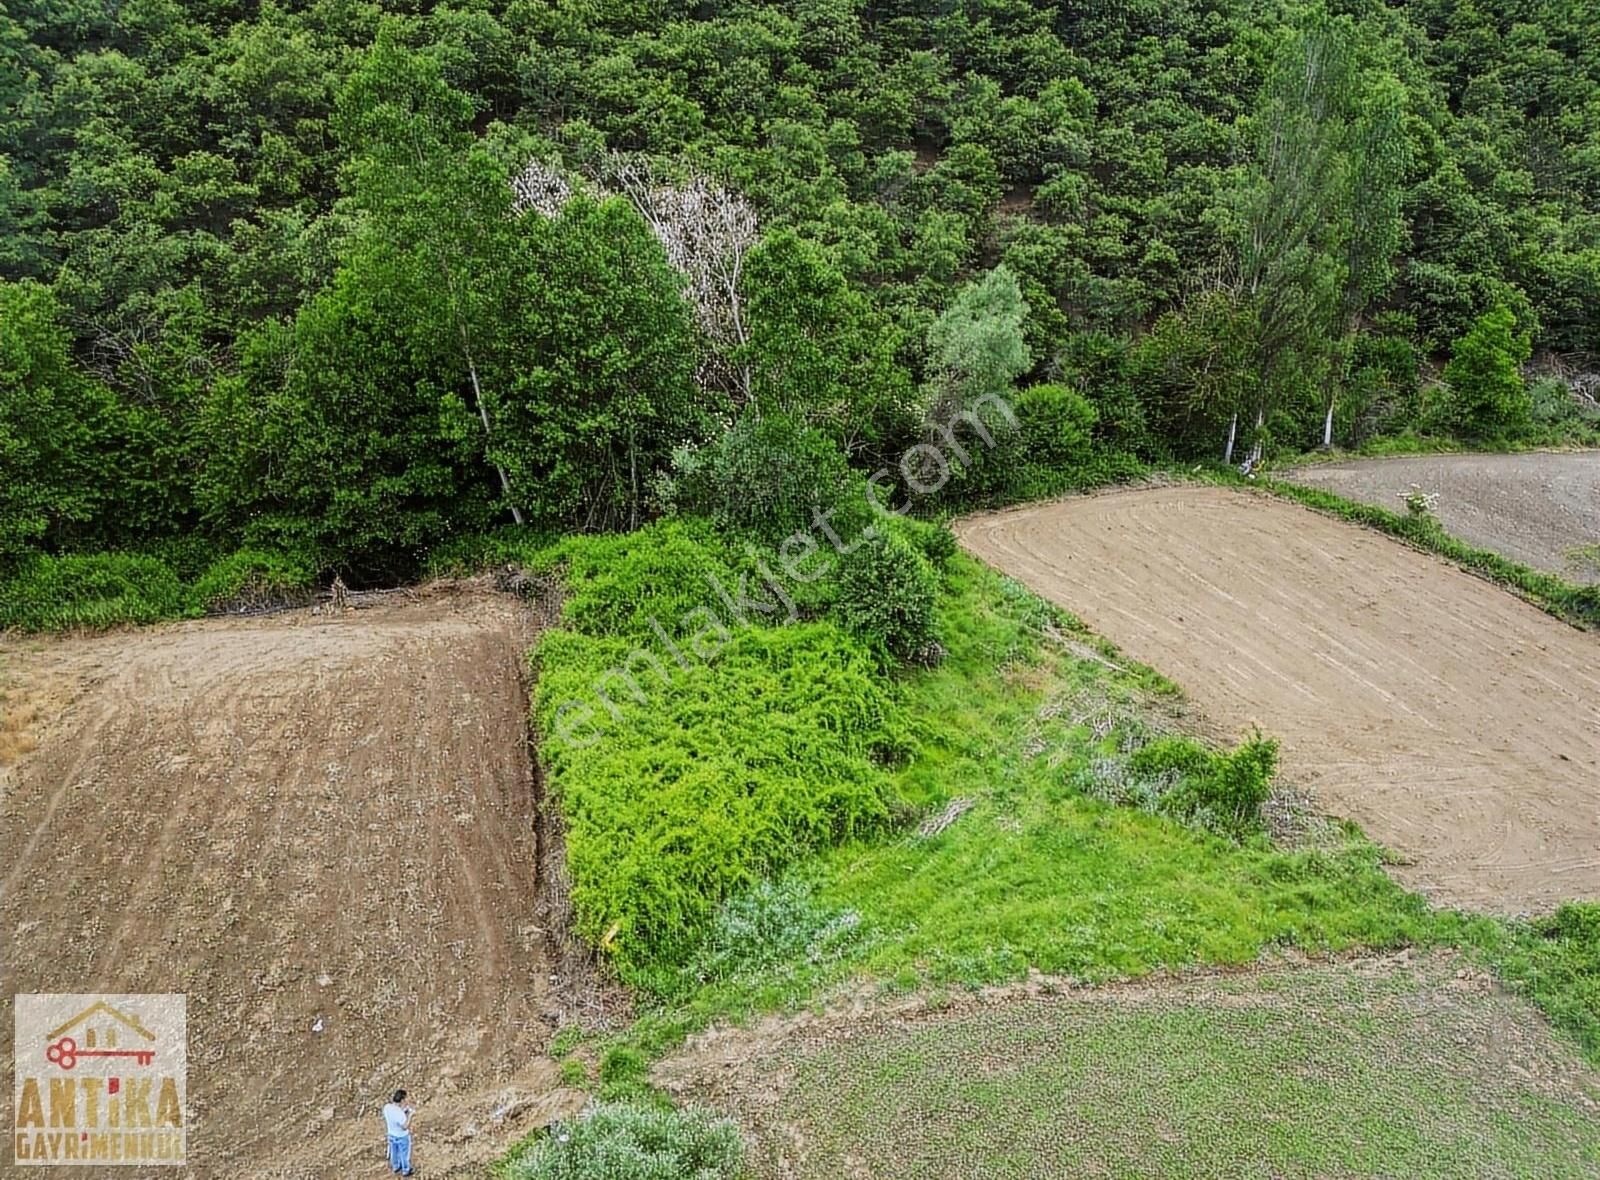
(334, 283)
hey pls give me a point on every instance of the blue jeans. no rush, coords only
(400, 1154)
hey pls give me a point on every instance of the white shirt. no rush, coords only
(396, 1119)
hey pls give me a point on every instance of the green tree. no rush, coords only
(1292, 216)
(1488, 397)
(51, 426)
(976, 351)
(977, 348)
(1056, 422)
(603, 387)
(344, 437)
(436, 202)
(819, 352)
(1379, 155)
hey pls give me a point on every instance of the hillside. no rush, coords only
(314, 278)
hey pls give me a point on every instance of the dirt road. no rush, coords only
(1457, 724)
(1536, 508)
(320, 829)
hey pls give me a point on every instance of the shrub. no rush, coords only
(94, 591)
(764, 928)
(1236, 785)
(886, 595)
(935, 541)
(1178, 756)
(618, 1141)
(1488, 398)
(473, 553)
(253, 578)
(1056, 422)
(767, 474)
(1180, 778)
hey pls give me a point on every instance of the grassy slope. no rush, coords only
(1036, 875)
(1039, 875)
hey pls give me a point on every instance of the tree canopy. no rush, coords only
(351, 279)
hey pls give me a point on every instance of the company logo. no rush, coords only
(100, 1079)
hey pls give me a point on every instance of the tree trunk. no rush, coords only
(633, 479)
(1255, 442)
(1327, 427)
(1233, 433)
(483, 416)
(466, 349)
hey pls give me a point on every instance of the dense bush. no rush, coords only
(768, 473)
(933, 540)
(103, 590)
(688, 772)
(886, 595)
(253, 578)
(1056, 422)
(1488, 397)
(1179, 777)
(618, 1141)
(1230, 792)
(617, 583)
(707, 778)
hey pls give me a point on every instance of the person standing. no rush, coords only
(397, 1124)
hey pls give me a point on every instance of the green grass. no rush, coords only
(1312, 1072)
(1036, 875)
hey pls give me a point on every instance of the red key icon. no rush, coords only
(65, 1053)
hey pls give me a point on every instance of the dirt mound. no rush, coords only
(1542, 508)
(1457, 724)
(322, 830)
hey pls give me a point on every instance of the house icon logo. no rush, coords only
(101, 1027)
(100, 1079)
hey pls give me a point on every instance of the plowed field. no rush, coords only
(1457, 724)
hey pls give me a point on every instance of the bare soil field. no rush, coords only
(1457, 724)
(1371, 1067)
(322, 829)
(1540, 508)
